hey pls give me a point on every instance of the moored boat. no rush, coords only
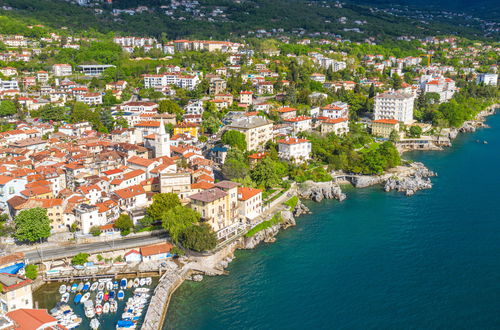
(136, 282)
(105, 308)
(89, 309)
(149, 281)
(121, 295)
(74, 287)
(125, 325)
(80, 286)
(94, 324)
(115, 285)
(85, 297)
(112, 295)
(65, 297)
(77, 298)
(62, 289)
(142, 281)
(109, 285)
(94, 286)
(106, 296)
(98, 309)
(101, 286)
(123, 283)
(86, 286)
(100, 296)
(113, 306)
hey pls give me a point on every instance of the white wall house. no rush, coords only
(394, 105)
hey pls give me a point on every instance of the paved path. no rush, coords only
(92, 248)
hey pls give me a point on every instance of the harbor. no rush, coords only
(106, 303)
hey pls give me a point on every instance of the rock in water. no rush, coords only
(317, 191)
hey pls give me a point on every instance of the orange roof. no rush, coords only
(297, 119)
(148, 123)
(29, 319)
(292, 141)
(4, 179)
(258, 155)
(204, 185)
(140, 161)
(245, 193)
(156, 249)
(130, 192)
(335, 121)
(386, 121)
(286, 109)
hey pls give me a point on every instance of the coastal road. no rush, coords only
(66, 251)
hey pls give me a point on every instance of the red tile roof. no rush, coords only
(245, 193)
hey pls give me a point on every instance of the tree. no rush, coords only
(235, 169)
(31, 271)
(95, 231)
(178, 219)
(266, 173)
(32, 225)
(81, 112)
(415, 131)
(7, 108)
(169, 106)
(124, 224)
(161, 204)
(394, 136)
(80, 259)
(199, 238)
(235, 139)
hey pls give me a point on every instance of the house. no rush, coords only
(250, 204)
(61, 70)
(90, 98)
(133, 256)
(443, 86)
(265, 87)
(294, 150)
(300, 124)
(339, 126)
(156, 252)
(10, 187)
(335, 110)
(319, 77)
(487, 79)
(33, 319)
(287, 112)
(246, 97)
(258, 130)
(394, 105)
(384, 127)
(16, 292)
(187, 128)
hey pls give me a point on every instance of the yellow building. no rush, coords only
(191, 129)
(16, 292)
(384, 127)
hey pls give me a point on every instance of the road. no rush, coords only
(66, 251)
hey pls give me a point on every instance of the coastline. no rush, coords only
(407, 179)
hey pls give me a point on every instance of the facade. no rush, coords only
(250, 204)
(294, 150)
(394, 105)
(384, 127)
(257, 130)
(300, 124)
(487, 79)
(246, 97)
(335, 110)
(16, 292)
(156, 252)
(62, 70)
(339, 126)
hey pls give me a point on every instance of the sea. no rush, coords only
(374, 261)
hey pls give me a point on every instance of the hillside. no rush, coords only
(224, 18)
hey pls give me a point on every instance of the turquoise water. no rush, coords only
(377, 260)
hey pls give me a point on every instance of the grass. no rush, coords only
(265, 224)
(275, 197)
(292, 202)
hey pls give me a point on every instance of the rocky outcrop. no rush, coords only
(363, 181)
(418, 180)
(300, 209)
(317, 191)
(267, 235)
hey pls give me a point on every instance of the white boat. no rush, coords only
(94, 286)
(123, 283)
(89, 309)
(113, 306)
(98, 309)
(136, 282)
(62, 289)
(142, 282)
(130, 284)
(120, 295)
(149, 281)
(65, 297)
(99, 297)
(109, 285)
(101, 286)
(94, 324)
(85, 297)
(86, 286)
(105, 308)
(80, 286)
(141, 290)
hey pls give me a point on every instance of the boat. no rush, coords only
(136, 282)
(101, 285)
(125, 324)
(106, 296)
(149, 281)
(113, 306)
(142, 282)
(121, 295)
(74, 287)
(115, 285)
(80, 286)
(94, 324)
(105, 308)
(85, 297)
(98, 309)
(65, 297)
(62, 289)
(141, 290)
(89, 309)
(77, 298)
(86, 286)
(109, 286)
(99, 297)
(112, 295)
(93, 287)
(123, 283)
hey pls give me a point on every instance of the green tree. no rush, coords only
(266, 173)
(235, 139)
(415, 131)
(178, 219)
(80, 259)
(7, 108)
(169, 106)
(32, 225)
(31, 271)
(394, 136)
(162, 203)
(95, 231)
(124, 224)
(199, 238)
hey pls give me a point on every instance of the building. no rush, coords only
(16, 292)
(384, 127)
(339, 126)
(62, 70)
(33, 319)
(445, 87)
(162, 142)
(94, 69)
(90, 98)
(258, 130)
(300, 124)
(487, 79)
(156, 252)
(394, 105)
(335, 110)
(246, 97)
(217, 86)
(294, 150)
(191, 129)
(250, 204)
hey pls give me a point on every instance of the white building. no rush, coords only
(394, 105)
(487, 79)
(294, 150)
(188, 82)
(250, 203)
(335, 110)
(300, 124)
(62, 70)
(445, 87)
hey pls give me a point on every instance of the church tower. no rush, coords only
(162, 142)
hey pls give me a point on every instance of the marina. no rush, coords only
(101, 304)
